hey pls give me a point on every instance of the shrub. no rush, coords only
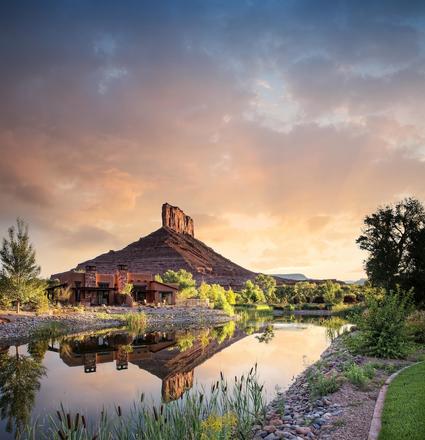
(383, 325)
(358, 375)
(135, 322)
(416, 326)
(321, 385)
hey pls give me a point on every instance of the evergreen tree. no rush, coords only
(19, 270)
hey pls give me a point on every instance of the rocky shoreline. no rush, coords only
(22, 328)
(342, 415)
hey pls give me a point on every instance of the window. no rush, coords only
(103, 285)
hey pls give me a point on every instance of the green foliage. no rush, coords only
(252, 293)
(20, 377)
(320, 384)
(218, 295)
(416, 326)
(394, 236)
(51, 330)
(267, 284)
(231, 296)
(229, 411)
(359, 375)
(135, 322)
(19, 283)
(331, 292)
(182, 277)
(382, 326)
(185, 341)
(127, 289)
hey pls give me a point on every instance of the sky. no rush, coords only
(277, 125)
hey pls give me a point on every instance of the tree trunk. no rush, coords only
(18, 308)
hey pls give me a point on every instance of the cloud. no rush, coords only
(282, 123)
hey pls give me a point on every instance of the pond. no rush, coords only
(107, 368)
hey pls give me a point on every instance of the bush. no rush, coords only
(358, 375)
(321, 385)
(135, 322)
(382, 326)
(416, 326)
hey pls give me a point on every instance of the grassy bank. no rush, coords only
(404, 409)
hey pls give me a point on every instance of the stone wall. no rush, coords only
(175, 219)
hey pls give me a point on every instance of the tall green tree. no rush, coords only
(252, 293)
(19, 270)
(394, 238)
(267, 284)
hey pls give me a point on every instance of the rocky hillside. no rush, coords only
(174, 246)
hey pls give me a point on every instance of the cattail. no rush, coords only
(155, 413)
(59, 416)
(162, 409)
(221, 375)
(119, 411)
(250, 371)
(62, 435)
(68, 419)
(83, 419)
(94, 437)
(77, 420)
(201, 398)
(142, 397)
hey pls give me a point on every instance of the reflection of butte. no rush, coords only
(156, 353)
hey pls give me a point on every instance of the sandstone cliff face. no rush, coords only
(175, 219)
(174, 247)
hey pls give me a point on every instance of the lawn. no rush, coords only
(404, 408)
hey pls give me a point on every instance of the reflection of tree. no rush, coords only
(19, 381)
(334, 327)
(185, 341)
(37, 349)
(224, 332)
(267, 335)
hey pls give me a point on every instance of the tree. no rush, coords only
(332, 292)
(394, 238)
(19, 269)
(182, 277)
(252, 293)
(267, 284)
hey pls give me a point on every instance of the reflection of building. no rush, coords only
(157, 353)
(93, 288)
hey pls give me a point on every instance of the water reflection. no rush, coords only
(19, 382)
(114, 367)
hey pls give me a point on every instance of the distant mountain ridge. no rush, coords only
(292, 276)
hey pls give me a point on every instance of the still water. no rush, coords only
(99, 370)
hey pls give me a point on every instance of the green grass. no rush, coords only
(321, 385)
(404, 408)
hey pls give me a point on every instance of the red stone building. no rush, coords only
(89, 287)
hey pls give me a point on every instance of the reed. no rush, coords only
(227, 412)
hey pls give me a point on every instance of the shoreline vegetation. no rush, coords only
(22, 328)
(228, 411)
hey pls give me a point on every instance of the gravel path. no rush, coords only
(22, 328)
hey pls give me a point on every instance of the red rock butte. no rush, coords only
(173, 246)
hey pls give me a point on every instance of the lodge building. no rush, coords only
(92, 288)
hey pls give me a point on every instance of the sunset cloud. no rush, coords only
(276, 125)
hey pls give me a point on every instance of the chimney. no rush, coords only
(174, 218)
(122, 272)
(90, 276)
